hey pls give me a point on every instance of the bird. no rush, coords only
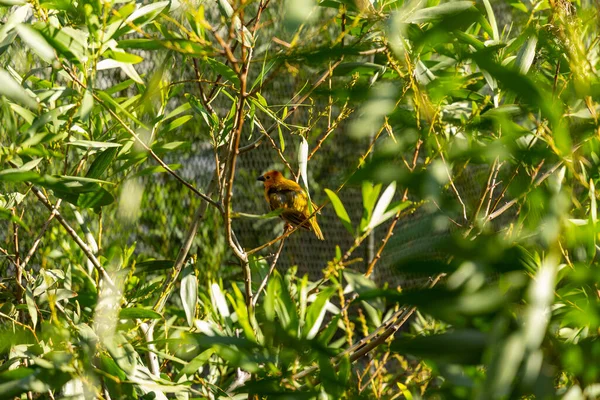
(289, 196)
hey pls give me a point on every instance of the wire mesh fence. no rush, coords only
(164, 207)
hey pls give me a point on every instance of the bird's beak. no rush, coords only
(261, 178)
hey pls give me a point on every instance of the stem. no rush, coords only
(271, 269)
(84, 247)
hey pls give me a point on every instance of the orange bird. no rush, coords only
(287, 194)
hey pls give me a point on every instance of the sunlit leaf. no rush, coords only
(382, 205)
(15, 92)
(138, 313)
(316, 313)
(189, 292)
(340, 210)
(36, 42)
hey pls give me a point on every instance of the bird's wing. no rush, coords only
(296, 218)
(294, 202)
(280, 198)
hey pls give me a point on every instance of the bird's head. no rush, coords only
(271, 177)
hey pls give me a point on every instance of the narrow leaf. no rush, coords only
(138, 313)
(340, 210)
(526, 55)
(316, 313)
(303, 161)
(382, 205)
(219, 301)
(31, 307)
(189, 292)
(14, 91)
(36, 42)
(101, 163)
(492, 19)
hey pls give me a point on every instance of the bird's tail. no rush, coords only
(316, 229)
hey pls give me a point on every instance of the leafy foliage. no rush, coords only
(433, 93)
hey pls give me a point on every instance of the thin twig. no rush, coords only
(512, 202)
(19, 271)
(271, 269)
(38, 239)
(141, 142)
(390, 230)
(344, 113)
(297, 104)
(384, 242)
(84, 247)
(363, 346)
(274, 146)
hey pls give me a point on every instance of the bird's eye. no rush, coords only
(268, 177)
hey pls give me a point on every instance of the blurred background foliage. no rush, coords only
(450, 146)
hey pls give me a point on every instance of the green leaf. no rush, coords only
(278, 302)
(526, 55)
(98, 198)
(281, 139)
(138, 312)
(17, 381)
(90, 144)
(381, 102)
(504, 366)
(315, 313)
(492, 18)
(449, 305)
(225, 8)
(363, 68)
(540, 297)
(14, 91)
(31, 308)
(344, 370)
(188, 292)
(438, 12)
(176, 123)
(27, 115)
(68, 42)
(123, 57)
(157, 169)
(459, 347)
(125, 67)
(153, 266)
(142, 16)
(116, 386)
(182, 46)
(36, 42)
(328, 333)
(101, 163)
(46, 118)
(6, 214)
(238, 302)
(218, 301)
(15, 175)
(10, 3)
(80, 191)
(340, 210)
(226, 72)
(118, 108)
(122, 352)
(87, 105)
(195, 364)
(378, 216)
